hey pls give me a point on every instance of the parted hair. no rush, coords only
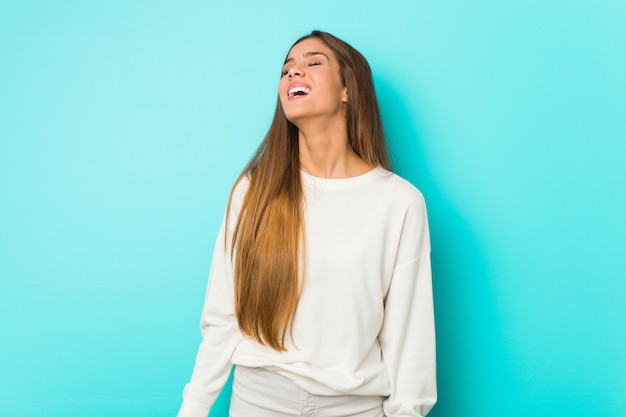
(268, 242)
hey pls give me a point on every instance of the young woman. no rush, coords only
(320, 284)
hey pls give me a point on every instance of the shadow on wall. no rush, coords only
(472, 358)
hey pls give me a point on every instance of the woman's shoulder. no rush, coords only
(241, 186)
(238, 194)
(399, 187)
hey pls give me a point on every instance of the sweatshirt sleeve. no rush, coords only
(407, 336)
(218, 326)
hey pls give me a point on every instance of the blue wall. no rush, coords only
(124, 123)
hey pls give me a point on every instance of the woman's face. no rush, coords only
(311, 84)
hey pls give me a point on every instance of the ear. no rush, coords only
(344, 95)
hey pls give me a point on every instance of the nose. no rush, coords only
(293, 71)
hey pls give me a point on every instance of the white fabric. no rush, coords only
(261, 393)
(364, 324)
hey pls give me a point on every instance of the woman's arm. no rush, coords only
(407, 336)
(218, 324)
(407, 339)
(220, 336)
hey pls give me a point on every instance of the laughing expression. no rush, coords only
(311, 84)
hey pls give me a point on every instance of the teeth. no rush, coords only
(292, 92)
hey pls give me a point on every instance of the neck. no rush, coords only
(325, 152)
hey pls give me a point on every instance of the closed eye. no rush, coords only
(310, 64)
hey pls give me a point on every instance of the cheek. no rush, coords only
(282, 83)
(282, 88)
(283, 102)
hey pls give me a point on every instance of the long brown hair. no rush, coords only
(268, 239)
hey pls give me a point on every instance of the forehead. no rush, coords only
(309, 45)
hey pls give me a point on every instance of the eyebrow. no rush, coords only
(308, 54)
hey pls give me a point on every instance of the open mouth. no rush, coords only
(298, 91)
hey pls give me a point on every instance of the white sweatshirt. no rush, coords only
(364, 324)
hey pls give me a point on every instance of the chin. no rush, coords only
(295, 116)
